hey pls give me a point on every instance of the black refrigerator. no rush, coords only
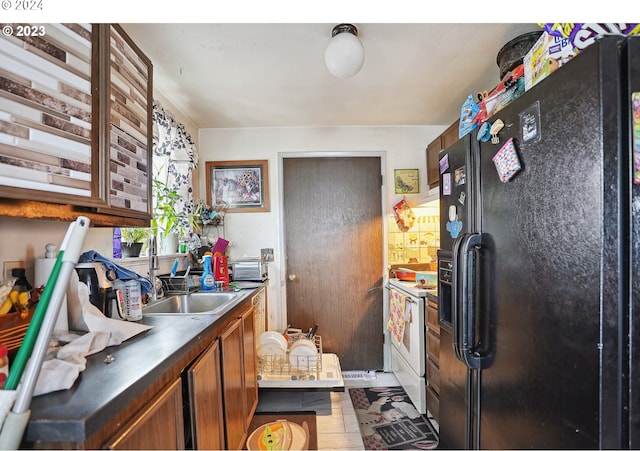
(539, 265)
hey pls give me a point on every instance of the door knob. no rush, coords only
(293, 277)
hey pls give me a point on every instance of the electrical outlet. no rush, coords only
(8, 266)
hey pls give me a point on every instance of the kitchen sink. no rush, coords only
(199, 302)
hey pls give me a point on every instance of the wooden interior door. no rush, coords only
(333, 235)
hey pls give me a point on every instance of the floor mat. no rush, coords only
(388, 420)
(359, 375)
(300, 417)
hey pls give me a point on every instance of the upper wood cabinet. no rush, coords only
(433, 152)
(448, 137)
(128, 129)
(75, 122)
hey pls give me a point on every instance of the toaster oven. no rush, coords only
(250, 270)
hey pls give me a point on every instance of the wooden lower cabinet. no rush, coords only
(259, 301)
(158, 426)
(223, 386)
(239, 379)
(233, 386)
(250, 363)
(433, 403)
(205, 400)
(433, 359)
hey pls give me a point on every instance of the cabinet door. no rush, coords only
(75, 123)
(205, 399)
(432, 317)
(433, 152)
(48, 89)
(159, 426)
(250, 363)
(259, 302)
(127, 131)
(233, 385)
(451, 134)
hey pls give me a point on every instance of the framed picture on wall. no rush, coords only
(406, 181)
(243, 185)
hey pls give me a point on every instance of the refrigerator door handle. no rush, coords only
(456, 296)
(467, 341)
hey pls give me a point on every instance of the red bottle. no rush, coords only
(221, 269)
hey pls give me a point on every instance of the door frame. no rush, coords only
(386, 355)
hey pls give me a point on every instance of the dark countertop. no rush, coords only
(102, 390)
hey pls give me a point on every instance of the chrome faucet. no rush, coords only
(153, 266)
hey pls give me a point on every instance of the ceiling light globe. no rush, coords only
(344, 56)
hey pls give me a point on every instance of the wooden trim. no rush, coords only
(28, 209)
(100, 126)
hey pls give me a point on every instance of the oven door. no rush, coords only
(406, 327)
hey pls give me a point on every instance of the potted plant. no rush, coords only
(133, 239)
(167, 222)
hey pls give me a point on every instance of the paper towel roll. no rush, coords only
(43, 269)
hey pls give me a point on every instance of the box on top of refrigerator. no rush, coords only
(547, 54)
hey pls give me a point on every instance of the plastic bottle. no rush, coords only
(133, 301)
(117, 243)
(207, 281)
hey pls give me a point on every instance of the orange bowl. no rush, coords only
(406, 274)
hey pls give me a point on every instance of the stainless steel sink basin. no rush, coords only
(197, 302)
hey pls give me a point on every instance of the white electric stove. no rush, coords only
(405, 331)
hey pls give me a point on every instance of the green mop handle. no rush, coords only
(71, 245)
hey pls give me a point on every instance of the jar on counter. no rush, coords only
(133, 300)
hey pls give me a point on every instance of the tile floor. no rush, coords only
(335, 417)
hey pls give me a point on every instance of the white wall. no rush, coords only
(401, 147)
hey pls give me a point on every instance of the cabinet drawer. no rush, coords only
(432, 317)
(433, 346)
(433, 404)
(433, 375)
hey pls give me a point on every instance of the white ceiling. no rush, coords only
(271, 75)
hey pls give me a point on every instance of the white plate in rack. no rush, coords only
(271, 336)
(303, 356)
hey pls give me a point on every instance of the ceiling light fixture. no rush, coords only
(345, 54)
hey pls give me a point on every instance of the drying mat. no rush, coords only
(300, 416)
(388, 420)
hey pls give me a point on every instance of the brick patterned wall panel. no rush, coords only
(129, 106)
(45, 109)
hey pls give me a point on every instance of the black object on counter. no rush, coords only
(22, 281)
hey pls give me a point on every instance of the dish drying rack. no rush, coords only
(180, 284)
(281, 367)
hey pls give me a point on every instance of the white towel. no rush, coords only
(61, 369)
(60, 372)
